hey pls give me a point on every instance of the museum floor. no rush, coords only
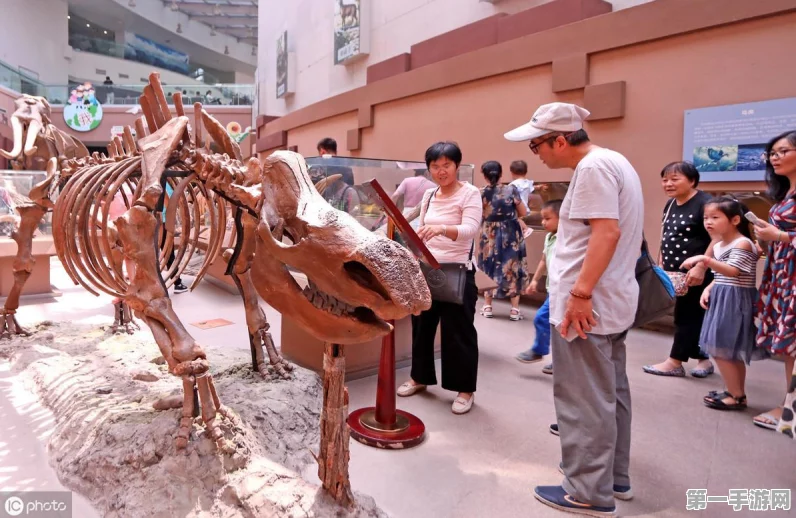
(486, 463)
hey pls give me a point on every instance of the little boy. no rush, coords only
(541, 345)
(519, 169)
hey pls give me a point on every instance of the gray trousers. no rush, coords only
(592, 400)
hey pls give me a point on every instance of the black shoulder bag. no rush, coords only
(447, 283)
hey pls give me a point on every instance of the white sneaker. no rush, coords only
(462, 405)
(410, 389)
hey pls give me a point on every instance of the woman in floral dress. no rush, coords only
(777, 306)
(501, 248)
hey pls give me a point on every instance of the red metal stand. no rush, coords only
(383, 426)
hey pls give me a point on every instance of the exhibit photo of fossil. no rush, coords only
(358, 280)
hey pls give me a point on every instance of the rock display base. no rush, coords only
(113, 447)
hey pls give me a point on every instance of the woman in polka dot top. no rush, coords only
(684, 236)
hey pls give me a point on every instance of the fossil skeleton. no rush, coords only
(357, 280)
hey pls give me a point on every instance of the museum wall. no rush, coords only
(735, 63)
(394, 27)
(35, 36)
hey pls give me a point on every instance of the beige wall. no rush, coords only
(732, 64)
(395, 27)
(35, 37)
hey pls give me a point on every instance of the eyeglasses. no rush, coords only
(776, 155)
(535, 147)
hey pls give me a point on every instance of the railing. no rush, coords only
(83, 43)
(219, 94)
(19, 81)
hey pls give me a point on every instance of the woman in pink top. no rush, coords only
(450, 217)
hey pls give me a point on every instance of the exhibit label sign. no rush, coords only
(728, 143)
(351, 30)
(281, 65)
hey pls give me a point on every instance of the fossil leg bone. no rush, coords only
(256, 320)
(31, 215)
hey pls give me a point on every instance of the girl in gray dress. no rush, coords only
(728, 331)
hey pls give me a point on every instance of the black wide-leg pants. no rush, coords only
(459, 342)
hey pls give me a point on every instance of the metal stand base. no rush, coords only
(407, 432)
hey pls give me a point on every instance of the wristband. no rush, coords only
(445, 230)
(579, 295)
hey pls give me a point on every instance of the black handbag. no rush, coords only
(656, 295)
(447, 283)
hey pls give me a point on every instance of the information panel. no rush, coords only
(727, 143)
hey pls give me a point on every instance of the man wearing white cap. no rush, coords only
(593, 300)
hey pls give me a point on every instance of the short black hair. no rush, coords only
(449, 150)
(492, 171)
(328, 143)
(731, 207)
(519, 167)
(686, 169)
(555, 205)
(778, 185)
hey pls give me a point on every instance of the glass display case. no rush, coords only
(14, 189)
(340, 181)
(541, 194)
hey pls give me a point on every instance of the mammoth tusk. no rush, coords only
(16, 125)
(33, 131)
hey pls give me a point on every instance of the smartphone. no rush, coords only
(754, 220)
(572, 333)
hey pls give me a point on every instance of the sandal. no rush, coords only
(515, 314)
(486, 311)
(719, 404)
(772, 423)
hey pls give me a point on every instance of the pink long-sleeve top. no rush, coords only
(463, 210)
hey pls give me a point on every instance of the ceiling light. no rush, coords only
(226, 50)
(68, 16)
(174, 5)
(131, 3)
(212, 30)
(179, 28)
(88, 25)
(105, 32)
(217, 9)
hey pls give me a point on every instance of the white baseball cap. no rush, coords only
(549, 118)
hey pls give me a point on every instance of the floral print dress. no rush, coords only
(501, 248)
(776, 308)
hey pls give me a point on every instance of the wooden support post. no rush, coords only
(334, 452)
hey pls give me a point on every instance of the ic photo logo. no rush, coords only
(38, 504)
(14, 506)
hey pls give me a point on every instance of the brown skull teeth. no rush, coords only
(327, 302)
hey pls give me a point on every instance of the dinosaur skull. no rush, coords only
(357, 280)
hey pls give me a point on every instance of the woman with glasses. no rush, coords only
(777, 305)
(450, 216)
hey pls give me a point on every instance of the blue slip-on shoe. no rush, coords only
(620, 492)
(557, 498)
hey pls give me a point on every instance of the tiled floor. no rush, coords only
(486, 463)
